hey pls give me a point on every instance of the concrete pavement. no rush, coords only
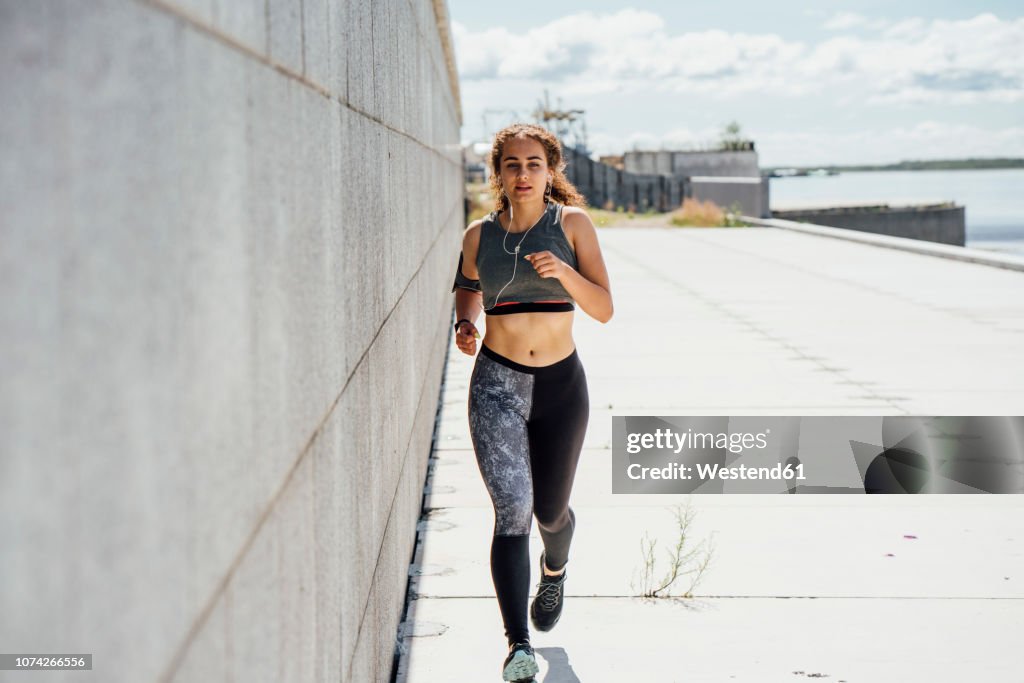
(844, 588)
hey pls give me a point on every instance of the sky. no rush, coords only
(832, 83)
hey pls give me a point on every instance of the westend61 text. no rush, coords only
(707, 472)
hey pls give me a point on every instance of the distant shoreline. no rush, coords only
(932, 165)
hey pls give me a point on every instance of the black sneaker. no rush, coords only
(520, 665)
(547, 605)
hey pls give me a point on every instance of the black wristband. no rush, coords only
(460, 321)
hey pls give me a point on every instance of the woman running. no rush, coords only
(525, 266)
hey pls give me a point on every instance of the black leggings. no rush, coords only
(527, 426)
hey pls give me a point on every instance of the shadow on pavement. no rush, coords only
(559, 668)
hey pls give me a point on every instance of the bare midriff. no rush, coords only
(535, 338)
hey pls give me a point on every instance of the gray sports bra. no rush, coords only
(526, 291)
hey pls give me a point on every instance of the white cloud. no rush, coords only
(625, 51)
(951, 62)
(630, 51)
(631, 73)
(564, 47)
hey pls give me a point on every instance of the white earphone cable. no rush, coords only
(515, 253)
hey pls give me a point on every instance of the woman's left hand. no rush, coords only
(547, 264)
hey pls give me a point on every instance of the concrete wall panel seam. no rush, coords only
(230, 41)
(437, 340)
(428, 387)
(450, 159)
(210, 607)
(268, 512)
(434, 243)
(198, 25)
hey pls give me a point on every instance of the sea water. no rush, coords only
(993, 199)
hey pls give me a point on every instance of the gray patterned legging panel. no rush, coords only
(527, 425)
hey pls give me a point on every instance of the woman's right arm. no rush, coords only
(468, 304)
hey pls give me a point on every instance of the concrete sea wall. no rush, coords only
(750, 194)
(943, 224)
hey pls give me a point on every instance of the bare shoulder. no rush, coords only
(570, 211)
(471, 236)
(470, 248)
(576, 222)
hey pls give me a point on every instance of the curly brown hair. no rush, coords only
(562, 191)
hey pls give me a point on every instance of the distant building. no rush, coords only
(614, 161)
(722, 162)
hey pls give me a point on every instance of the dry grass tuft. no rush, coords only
(696, 213)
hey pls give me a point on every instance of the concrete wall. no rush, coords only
(943, 224)
(751, 194)
(659, 162)
(709, 163)
(602, 184)
(228, 232)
